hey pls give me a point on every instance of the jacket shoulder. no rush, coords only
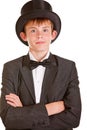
(64, 60)
(65, 64)
(14, 61)
(14, 65)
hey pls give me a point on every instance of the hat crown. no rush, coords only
(35, 5)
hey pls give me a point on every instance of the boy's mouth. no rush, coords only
(40, 42)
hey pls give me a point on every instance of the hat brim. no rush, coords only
(38, 14)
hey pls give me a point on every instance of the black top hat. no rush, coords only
(37, 9)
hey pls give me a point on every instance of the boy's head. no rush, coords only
(38, 33)
(39, 11)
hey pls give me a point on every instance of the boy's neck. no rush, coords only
(39, 55)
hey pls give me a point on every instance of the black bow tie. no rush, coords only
(34, 64)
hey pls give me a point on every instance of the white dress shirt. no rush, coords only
(38, 75)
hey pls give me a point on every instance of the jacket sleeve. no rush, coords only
(26, 117)
(70, 118)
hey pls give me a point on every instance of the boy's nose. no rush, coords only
(40, 34)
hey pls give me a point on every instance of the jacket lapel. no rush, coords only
(49, 77)
(27, 76)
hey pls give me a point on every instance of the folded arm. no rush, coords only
(52, 108)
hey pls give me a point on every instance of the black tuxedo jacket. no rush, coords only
(60, 83)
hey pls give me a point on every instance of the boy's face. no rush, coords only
(38, 36)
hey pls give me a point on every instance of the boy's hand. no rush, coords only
(55, 107)
(13, 100)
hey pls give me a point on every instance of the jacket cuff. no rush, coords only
(41, 117)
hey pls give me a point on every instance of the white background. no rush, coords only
(70, 44)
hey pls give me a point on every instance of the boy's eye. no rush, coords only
(33, 31)
(45, 30)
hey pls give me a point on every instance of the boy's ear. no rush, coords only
(54, 34)
(23, 36)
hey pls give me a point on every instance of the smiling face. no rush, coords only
(38, 34)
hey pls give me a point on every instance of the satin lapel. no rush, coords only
(49, 78)
(27, 76)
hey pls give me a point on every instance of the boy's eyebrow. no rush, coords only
(46, 27)
(42, 27)
(31, 27)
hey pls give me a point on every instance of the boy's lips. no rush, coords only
(40, 42)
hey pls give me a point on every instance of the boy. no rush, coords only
(40, 90)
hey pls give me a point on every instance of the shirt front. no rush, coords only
(38, 75)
